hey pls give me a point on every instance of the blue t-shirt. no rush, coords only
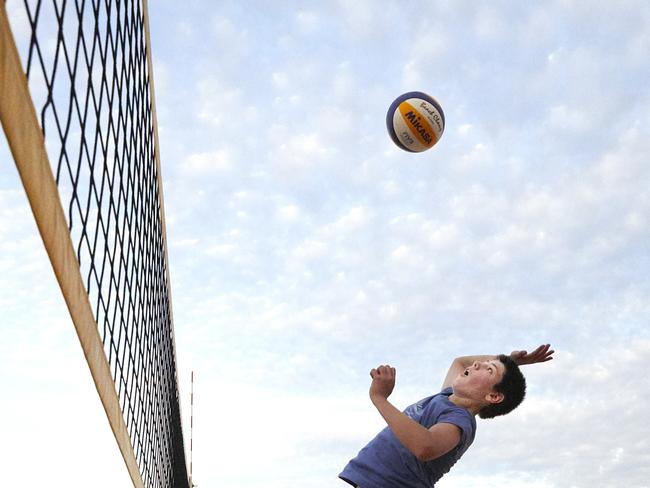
(386, 463)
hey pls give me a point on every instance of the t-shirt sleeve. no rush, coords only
(461, 418)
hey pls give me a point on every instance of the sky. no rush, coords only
(305, 248)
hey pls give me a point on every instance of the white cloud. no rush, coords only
(310, 249)
(280, 79)
(288, 212)
(307, 21)
(515, 480)
(489, 24)
(296, 154)
(364, 19)
(563, 118)
(228, 33)
(220, 160)
(355, 218)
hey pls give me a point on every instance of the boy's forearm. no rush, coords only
(412, 435)
(541, 354)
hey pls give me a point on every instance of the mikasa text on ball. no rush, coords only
(415, 121)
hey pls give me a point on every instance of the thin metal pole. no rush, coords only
(191, 425)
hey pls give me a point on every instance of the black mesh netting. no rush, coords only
(86, 62)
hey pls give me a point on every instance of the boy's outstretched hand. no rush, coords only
(540, 355)
(383, 381)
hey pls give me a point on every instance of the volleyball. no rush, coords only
(415, 121)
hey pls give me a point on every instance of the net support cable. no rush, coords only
(90, 167)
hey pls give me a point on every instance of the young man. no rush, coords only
(423, 443)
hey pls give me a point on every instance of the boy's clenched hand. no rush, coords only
(383, 381)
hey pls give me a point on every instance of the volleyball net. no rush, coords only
(77, 107)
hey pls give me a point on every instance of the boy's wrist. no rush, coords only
(377, 398)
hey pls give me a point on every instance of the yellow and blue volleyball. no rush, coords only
(415, 121)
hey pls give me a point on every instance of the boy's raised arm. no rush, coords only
(459, 365)
(425, 444)
(542, 354)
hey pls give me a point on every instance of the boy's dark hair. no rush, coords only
(513, 387)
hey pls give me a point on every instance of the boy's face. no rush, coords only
(477, 382)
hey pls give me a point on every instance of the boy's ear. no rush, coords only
(494, 397)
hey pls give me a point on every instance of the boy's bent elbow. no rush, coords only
(423, 456)
(434, 449)
(428, 454)
(443, 438)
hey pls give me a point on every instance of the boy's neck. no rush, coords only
(467, 403)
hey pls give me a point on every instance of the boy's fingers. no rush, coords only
(383, 370)
(546, 351)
